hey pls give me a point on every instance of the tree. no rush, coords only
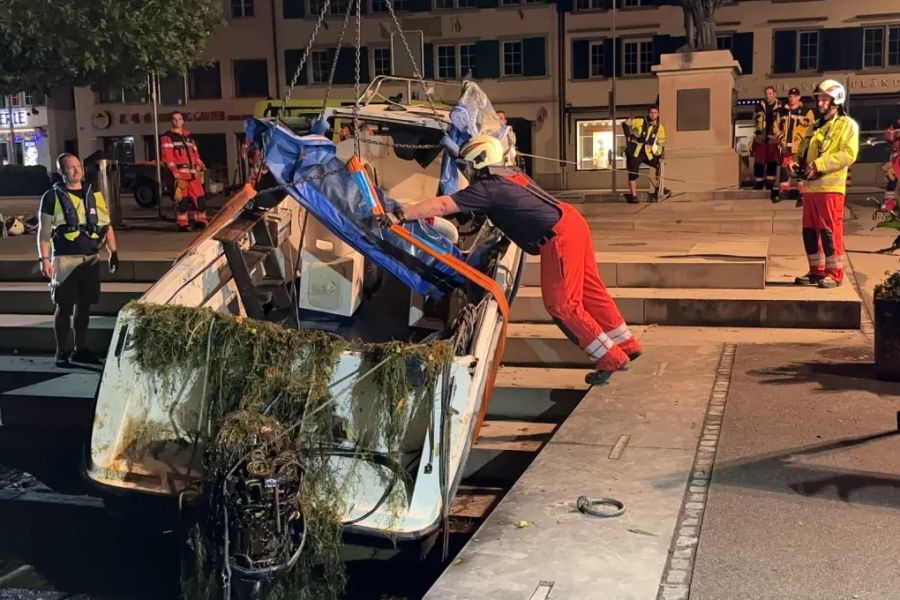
(46, 44)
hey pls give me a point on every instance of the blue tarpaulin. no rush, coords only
(321, 183)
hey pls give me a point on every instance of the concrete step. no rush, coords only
(534, 347)
(130, 270)
(34, 333)
(34, 298)
(774, 306)
(585, 196)
(738, 264)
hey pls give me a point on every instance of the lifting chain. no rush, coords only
(337, 53)
(305, 55)
(412, 59)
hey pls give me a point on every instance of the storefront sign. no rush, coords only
(19, 118)
(754, 86)
(137, 118)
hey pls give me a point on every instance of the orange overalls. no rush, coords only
(571, 287)
(180, 150)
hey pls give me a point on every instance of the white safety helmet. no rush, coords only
(14, 226)
(832, 89)
(482, 151)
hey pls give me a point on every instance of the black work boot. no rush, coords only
(775, 195)
(598, 377)
(631, 199)
(808, 279)
(62, 360)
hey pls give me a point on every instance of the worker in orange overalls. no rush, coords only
(793, 121)
(765, 141)
(828, 149)
(891, 168)
(180, 155)
(572, 290)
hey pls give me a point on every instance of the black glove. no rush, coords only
(113, 262)
(394, 217)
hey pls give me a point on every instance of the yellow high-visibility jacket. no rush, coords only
(832, 146)
(644, 136)
(792, 126)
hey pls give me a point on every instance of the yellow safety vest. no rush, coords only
(58, 219)
(832, 146)
(645, 135)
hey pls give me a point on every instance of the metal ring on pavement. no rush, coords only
(586, 505)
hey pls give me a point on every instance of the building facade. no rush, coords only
(35, 129)
(548, 65)
(509, 46)
(783, 43)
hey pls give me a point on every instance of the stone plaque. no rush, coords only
(693, 110)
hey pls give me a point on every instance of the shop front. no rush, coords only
(23, 137)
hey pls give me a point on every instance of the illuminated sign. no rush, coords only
(19, 117)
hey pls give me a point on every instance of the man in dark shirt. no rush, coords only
(75, 222)
(571, 287)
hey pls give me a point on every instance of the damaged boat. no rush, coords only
(304, 375)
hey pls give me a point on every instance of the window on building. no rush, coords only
(808, 51)
(380, 6)
(339, 7)
(29, 99)
(594, 144)
(637, 57)
(171, 90)
(17, 100)
(597, 59)
(443, 4)
(508, 2)
(315, 7)
(894, 45)
(135, 95)
(446, 56)
(204, 83)
(589, 5)
(873, 47)
(724, 42)
(241, 8)
(631, 3)
(251, 78)
(381, 61)
(467, 59)
(321, 65)
(512, 58)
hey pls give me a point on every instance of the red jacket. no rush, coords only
(180, 150)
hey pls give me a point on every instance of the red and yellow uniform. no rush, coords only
(179, 153)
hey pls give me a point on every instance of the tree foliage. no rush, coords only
(45, 44)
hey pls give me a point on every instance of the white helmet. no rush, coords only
(834, 90)
(14, 226)
(482, 151)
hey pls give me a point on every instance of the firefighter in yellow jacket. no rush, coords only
(793, 121)
(646, 139)
(826, 152)
(765, 140)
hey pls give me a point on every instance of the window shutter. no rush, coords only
(291, 59)
(294, 9)
(841, 49)
(742, 50)
(487, 59)
(488, 3)
(534, 55)
(418, 5)
(581, 59)
(785, 52)
(428, 58)
(666, 44)
(345, 73)
(608, 56)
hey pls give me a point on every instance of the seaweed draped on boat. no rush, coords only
(320, 182)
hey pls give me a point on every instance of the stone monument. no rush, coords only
(696, 102)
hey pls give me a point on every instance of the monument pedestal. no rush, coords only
(697, 104)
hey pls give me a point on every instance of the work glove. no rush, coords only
(394, 217)
(113, 262)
